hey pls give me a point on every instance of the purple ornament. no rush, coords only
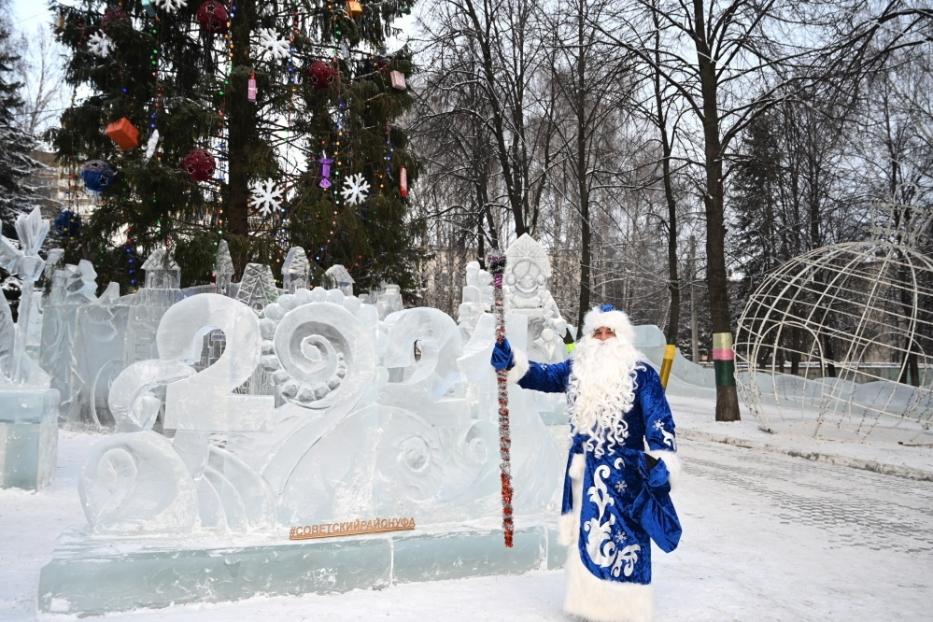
(325, 172)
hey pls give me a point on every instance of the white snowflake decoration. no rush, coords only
(171, 6)
(355, 189)
(267, 198)
(273, 46)
(99, 45)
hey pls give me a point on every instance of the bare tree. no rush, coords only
(40, 72)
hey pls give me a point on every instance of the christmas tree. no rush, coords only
(267, 125)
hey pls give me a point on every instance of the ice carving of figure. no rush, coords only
(296, 270)
(477, 297)
(28, 407)
(149, 304)
(223, 268)
(337, 277)
(527, 271)
(72, 288)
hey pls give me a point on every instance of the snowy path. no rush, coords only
(767, 538)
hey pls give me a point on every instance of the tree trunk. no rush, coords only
(694, 329)
(582, 182)
(673, 316)
(241, 124)
(727, 399)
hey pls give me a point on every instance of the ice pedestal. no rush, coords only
(91, 577)
(28, 436)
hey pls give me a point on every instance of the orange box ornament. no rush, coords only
(397, 78)
(354, 8)
(124, 133)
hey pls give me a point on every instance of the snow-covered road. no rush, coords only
(767, 537)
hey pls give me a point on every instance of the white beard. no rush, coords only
(602, 390)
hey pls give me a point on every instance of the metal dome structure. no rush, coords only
(839, 341)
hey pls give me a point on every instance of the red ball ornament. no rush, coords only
(199, 165)
(322, 74)
(212, 16)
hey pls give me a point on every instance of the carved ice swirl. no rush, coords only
(319, 353)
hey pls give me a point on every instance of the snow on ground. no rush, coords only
(767, 537)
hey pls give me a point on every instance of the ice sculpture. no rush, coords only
(527, 271)
(28, 407)
(136, 482)
(389, 300)
(296, 270)
(162, 272)
(337, 277)
(365, 419)
(149, 304)
(421, 350)
(223, 268)
(72, 288)
(476, 299)
(97, 357)
(257, 287)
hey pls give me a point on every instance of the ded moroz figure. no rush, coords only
(622, 458)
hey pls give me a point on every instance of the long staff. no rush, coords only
(496, 264)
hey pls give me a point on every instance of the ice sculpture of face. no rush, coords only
(526, 279)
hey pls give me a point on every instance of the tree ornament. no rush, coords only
(272, 45)
(67, 224)
(325, 171)
(151, 144)
(354, 8)
(266, 197)
(355, 189)
(99, 44)
(322, 74)
(397, 79)
(113, 16)
(212, 16)
(403, 182)
(170, 6)
(199, 165)
(251, 87)
(123, 133)
(97, 175)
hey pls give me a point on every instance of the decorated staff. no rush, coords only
(496, 263)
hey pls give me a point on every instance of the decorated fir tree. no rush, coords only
(267, 124)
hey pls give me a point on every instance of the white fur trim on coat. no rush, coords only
(671, 461)
(520, 367)
(604, 601)
(616, 320)
(568, 525)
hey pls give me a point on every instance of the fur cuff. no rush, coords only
(671, 461)
(520, 368)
